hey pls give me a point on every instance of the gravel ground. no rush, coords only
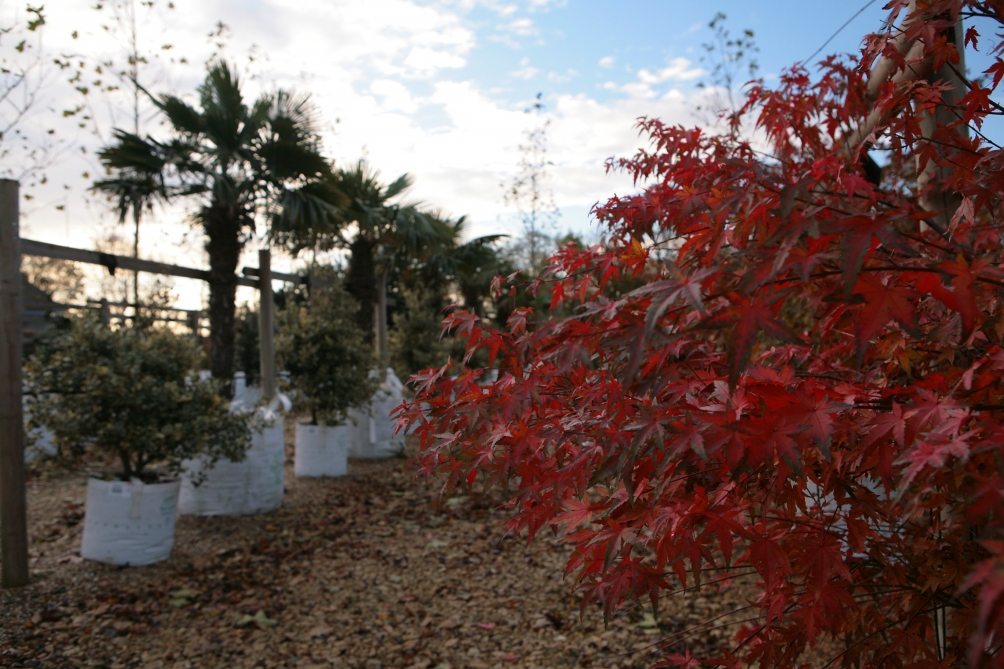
(372, 570)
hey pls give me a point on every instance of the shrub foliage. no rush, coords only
(807, 385)
(132, 395)
(326, 353)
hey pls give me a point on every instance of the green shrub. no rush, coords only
(130, 394)
(247, 356)
(326, 354)
(415, 339)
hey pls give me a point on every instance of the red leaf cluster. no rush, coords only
(806, 381)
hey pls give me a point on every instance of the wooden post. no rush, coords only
(13, 508)
(383, 355)
(106, 312)
(266, 330)
(934, 198)
(193, 323)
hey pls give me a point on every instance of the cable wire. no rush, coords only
(846, 23)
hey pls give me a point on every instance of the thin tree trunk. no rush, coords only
(137, 213)
(360, 282)
(223, 226)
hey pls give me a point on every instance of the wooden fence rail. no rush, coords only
(30, 247)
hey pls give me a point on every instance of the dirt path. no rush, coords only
(371, 570)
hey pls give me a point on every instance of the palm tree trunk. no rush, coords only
(383, 355)
(360, 282)
(223, 225)
(473, 301)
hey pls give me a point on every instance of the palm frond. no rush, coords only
(398, 186)
(182, 116)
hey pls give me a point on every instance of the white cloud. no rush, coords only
(643, 88)
(522, 27)
(545, 5)
(525, 71)
(607, 62)
(395, 73)
(425, 62)
(562, 77)
(679, 69)
(396, 96)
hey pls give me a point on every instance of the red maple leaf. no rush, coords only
(933, 453)
(859, 236)
(746, 319)
(883, 303)
(963, 279)
(816, 415)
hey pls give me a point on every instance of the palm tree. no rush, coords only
(244, 164)
(137, 185)
(386, 235)
(470, 265)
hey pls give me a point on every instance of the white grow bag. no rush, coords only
(359, 431)
(379, 440)
(254, 485)
(129, 523)
(322, 450)
(43, 446)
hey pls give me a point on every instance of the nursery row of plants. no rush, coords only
(179, 443)
(205, 439)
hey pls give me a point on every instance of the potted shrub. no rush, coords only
(328, 358)
(131, 395)
(254, 484)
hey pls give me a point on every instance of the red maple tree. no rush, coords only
(777, 363)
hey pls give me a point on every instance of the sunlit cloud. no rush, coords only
(393, 81)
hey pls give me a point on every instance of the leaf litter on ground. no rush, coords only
(373, 570)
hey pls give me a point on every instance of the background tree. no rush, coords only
(809, 391)
(326, 353)
(29, 142)
(424, 287)
(62, 280)
(133, 25)
(244, 164)
(731, 63)
(130, 393)
(380, 234)
(529, 194)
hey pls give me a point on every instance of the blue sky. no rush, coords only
(643, 34)
(437, 88)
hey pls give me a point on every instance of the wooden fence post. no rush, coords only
(13, 508)
(106, 312)
(192, 319)
(266, 331)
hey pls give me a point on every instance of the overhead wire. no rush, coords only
(840, 29)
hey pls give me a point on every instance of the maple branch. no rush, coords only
(811, 375)
(705, 626)
(954, 147)
(882, 630)
(926, 242)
